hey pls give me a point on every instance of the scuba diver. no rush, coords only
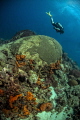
(57, 26)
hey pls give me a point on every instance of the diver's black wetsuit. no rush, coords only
(57, 26)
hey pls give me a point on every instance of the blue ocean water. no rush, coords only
(16, 15)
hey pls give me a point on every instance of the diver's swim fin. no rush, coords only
(48, 13)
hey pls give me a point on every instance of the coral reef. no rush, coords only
(32, 85)
(22, 33)
(75, 73)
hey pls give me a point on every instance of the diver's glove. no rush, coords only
(48, 13)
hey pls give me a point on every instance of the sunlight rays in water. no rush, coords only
(69, 7)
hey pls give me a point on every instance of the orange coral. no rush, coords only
(25, 110)
(12, 99)
(55, 65)
(30, 96)
(20, 64)
(20, 61)
(20, 57)
(42, 84)
(46, 106)
(38, 81)
(31, 61)
(1, 92)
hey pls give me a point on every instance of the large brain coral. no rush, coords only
(47, 48)
(42, 49)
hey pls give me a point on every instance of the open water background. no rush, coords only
(16, 15)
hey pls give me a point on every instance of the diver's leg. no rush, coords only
(52, 21)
